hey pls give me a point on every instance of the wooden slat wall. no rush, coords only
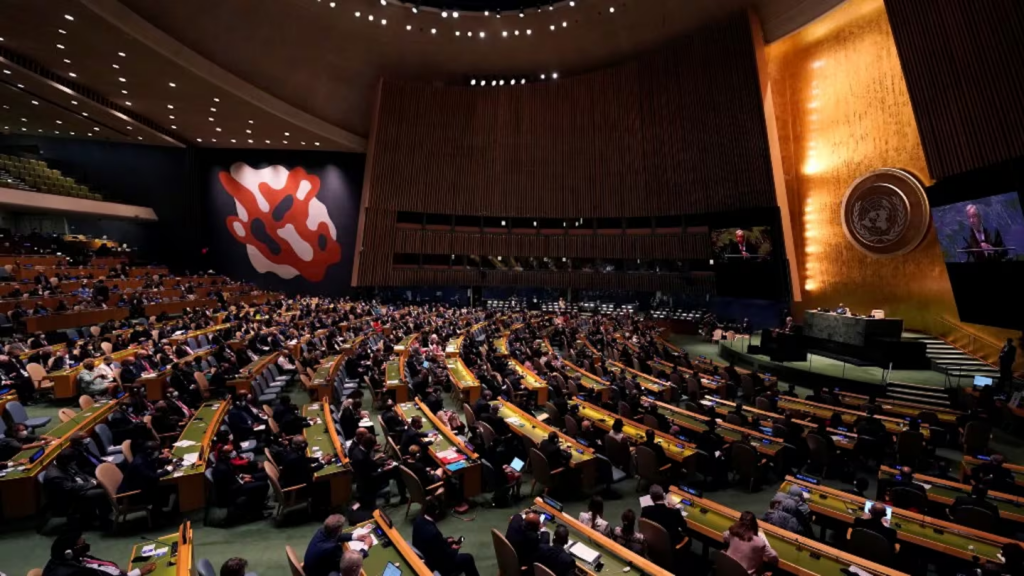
(963, 61)
(679, 131)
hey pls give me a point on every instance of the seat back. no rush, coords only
(107, 347)
(976, 436)
(573, 389)
(744, 459)
(508, 560)
(467, 411)
(35, 572)
(85, 402)
(36, 372)
(552, 412)
(726, 565)
(909, 447)
(17, 412)
(659, 547)
(105, 436)
(974, 517)
(870, 546)
(624, 410)
(647, 464)
(417, 493)
(293, 562)
(540, 467)
(763, 404)
(274, 477)
(692, 387)
(486, 432)
(126, 449)
(66, 414)
(540, 570)
(618, 452)
(205, 568)
(818, 449)
(909, 499)
(571, 429)
(734, 419)
(109, 477)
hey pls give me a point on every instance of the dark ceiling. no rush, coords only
(302, 74)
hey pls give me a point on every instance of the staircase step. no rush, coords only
(948, 355)
(920, 400)
(963, 363)
(915, 392)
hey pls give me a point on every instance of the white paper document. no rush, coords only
(191, 458)
(646, 500)
(184, 443)
(584, 552)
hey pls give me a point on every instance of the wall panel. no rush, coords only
(963, 62)
(677, 131)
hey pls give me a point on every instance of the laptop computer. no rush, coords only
(517, 465)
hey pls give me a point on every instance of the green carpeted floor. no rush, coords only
(263, 544)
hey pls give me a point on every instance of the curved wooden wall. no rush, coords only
(679, 131)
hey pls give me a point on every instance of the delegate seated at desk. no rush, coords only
(324, 552)
(69, 556)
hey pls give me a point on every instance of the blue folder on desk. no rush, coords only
(456, 466)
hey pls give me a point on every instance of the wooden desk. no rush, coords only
(969, 462)
(322, 384)
(797, 554)
(597, 386)
(446, 439)
(501, 345)
(454, 347)
(616, 558)
(183, 339)
(824, 411)
(463, 379)
(155, 383)
(202, 430)
(947, 491)
(243, 382)
(33, 261)
(901, 408)
(178, 306)
(20, 488)
(180, 564)
(763, 443)
(649, 383)
(322, 438)
(399, 553)
(583, 458)
(956, 541)
(531, 381)
(395, 380)
(67, 320)
(637, 433)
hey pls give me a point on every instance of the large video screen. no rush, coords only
(979, 223)
(733, 245)
(984, 230)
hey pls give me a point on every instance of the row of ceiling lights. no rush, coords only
(470, 33)
(128, 103)
(511, 82)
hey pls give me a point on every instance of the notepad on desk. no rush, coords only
(190, 458)
(584, 552)
(184, 443)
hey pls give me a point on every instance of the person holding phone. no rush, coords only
(441, 554)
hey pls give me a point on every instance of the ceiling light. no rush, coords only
(564, 24)
(611, 9)
(543, 76)
(504, 34)
(572, 3)
(472, 82)
(213, 109)
(116, 66)
(69, 17)
(415, 10)
(61, 31)
(7, 71)
(521, 13)
(455, 14)
(444, 14)
(316, 143)
(36, 103)
(172, 84)
(494, 82)
(122, 79)
(250, 141)
(267, 141)
(457, 33)
(72, 74)
(501, 83)
(522, 80)
(21, 85)
(233, 140)
(128, 127)
(199, 139)
(59, 122)
(74, 102)
(85, 113)
(287, 134)
(517, 32)
(140, 137)
(248, 131)
(408, 26)
(216, 99)
(528, 32)
(284, 141)
(433, 30)
(66, 61)
(357, 14)
(72, 133)
(554, 75)
(173, 127)
(171, 117)
(170, 106)
(250, 121)
(370, 17)
(481, 34)
(218, 129)
(124, 92)
(96, 129)
(213, 139)
(128, 103)
(552, 26)
(383, 22)
(61, 46)
(210, 119)
(383, 2)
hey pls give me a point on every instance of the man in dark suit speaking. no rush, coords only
(744, 247)
(981, 238)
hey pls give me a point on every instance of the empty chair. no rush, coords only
(552, 412)
(467, 411)
(976, 518)
(571, 429)
(41, 383)
(19, 416)
(106, 440)
(508, 560)
(288, 499)
(870, 546)
(746, 464)
(659, 545)
(819, 455)
(763, 404)
(203, 342)
(192, 344)
(278, 377)
(109, 477)
(418, 493)
(212, 360)
(909, 499)
(205, 568)
(647, 469)
(617, 452)
(204, 365)
(976, 435)
(542, 471)
(293, 562)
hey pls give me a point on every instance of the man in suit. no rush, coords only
(556, 456)
(85, 459)
(978, 498)
(981, 238)
(395, 425)
(554, 557)
(371, 475)
(69, 489)
(482, 404)
(287, 417)
(1006, 358)
(441, 554)
(144, 474)
(297, 469)
(743, 246)
(241, 493)
(496, 422)
(414, 436)
(69, 556)
(650, 442)
(668, 518)
(324, 552)
(875, 521)
(525, 537)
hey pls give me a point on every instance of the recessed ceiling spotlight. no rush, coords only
(250, 121)
(572, 3)
(250, 141)
(96, 129)
(521, 13)
(128, 127)
(458, 33)
(7, 71)
(172, 84)
(72, 74)
(332, 4)
(543, 76)
(59, 122)
(528, 32)
(611, 9)
(564, 24)
(69, 17)
(433, 30)
(370, 17)
(481, 34)
(494, 82)
(233, 140)
(504, 33)
(124, 92)
(213, 109)
(173, 127)
(248, 131)
(383, 22)
(210, 119)
(122, 79)
(218, 129)
(357, 14)
(267, 141)
(444, 14)
(128, 103)
(415, 10)
(408, 26)
(21, 85)
(85, 114)
(554, 75)
(522, 80)
(140, 137)
(284, 141)
(216, 99)
(121, 54)
(455, 14)
(199, 139)
(66, 61)
(552, 26)
(472, 82)
(316, 143)
(61, 46)
(517, 32)
(36, 103)
(287, 134)
(61, 31)
(501, 83)
(383, 2)
(171, 117)
(213, 139)
(116, 67)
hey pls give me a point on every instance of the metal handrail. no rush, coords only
(974, 341)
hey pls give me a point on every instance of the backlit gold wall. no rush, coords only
(842, 110)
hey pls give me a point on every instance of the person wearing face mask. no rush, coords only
(18, 439)
(14, 376)
(72, 492)
(243, 494)
(85, 459)
(177, 408)
(69, 556)
(144, 473)
(130, 371)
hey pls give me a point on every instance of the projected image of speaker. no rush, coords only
(988, 229)
(732, 245)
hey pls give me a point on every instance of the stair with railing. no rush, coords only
(956, 363)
